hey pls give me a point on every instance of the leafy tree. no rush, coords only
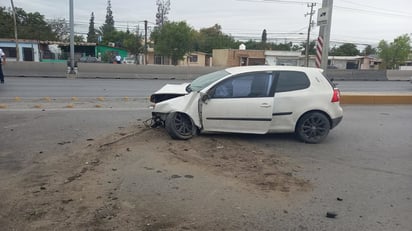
(284, 46)
(264, 36)
(132, 43)
(163, 8)
(395, 53)
(312, 49)
(369, 50)
(213, 38)
(251, 44)
(29, 25)
(173, 39)
(91, 35)
(6, 24)
(60, 28)
(108, 27)
(346, 49)
(254, 45)
(78, 38)
(127, 41)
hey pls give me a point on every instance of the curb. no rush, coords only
(375, 98)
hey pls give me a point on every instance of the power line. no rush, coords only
(377, 10)
(278, 1)
(374, 7)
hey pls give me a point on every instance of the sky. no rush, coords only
(353, 21)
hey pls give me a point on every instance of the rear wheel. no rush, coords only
(313, 127)
(180, 126)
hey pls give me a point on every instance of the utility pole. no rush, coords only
(72, 71)
(308, 37)
(15, 31)
(145, 42)
(324, 31)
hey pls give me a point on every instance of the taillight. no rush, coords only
(336, 95)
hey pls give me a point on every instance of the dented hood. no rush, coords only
(169, 91)
(173, 89)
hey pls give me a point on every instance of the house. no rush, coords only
(238, 57)
(196, 59)
(28, 49)
(284, 58)
(354, 62)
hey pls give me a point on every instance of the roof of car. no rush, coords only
(238, 70)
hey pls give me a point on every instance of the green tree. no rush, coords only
(163, 8)
(173, 39)
(346, 49)
(92, 35)
(213, 38)
(60, 28)
(78, 39)
(254, 45)
(29, 25)
(312, 49)
(282, 46)
(133, 43)
(395, 53)
(369, 50)
(107, 29)
(6, 23)
(251, 44)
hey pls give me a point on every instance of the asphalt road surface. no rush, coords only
(362, 173)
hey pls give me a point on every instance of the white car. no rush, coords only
(252, 99)
(129, 60)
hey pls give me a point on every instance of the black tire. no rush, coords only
(312, 127)
(180, 126)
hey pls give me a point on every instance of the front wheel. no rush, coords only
(180, 126)
(313, 127)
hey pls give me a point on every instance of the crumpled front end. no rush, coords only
(169, 91)
(186, 103)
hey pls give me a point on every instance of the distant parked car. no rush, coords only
(88, 59)
(252, 99)
(129, 60)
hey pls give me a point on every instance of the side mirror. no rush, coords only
(205, 98)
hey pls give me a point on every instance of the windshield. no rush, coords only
(203, 81)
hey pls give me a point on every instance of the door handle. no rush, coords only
(265, 105)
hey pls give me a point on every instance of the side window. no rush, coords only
(292, 81)
(256, 84)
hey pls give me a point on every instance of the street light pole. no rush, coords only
(145, 42)
(324, 31)
(71, 38)
(15, 31)
(308, 37)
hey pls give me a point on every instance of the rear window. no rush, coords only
(292, 81)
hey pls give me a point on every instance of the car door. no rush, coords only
(242, 103)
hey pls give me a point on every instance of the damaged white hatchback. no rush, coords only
(252, 99)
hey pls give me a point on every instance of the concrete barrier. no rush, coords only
(357, 75)
(402, 75)
(376, 98)
(116, 71)
(105, 70)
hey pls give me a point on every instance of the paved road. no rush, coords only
(60, 87)
(365, 162)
